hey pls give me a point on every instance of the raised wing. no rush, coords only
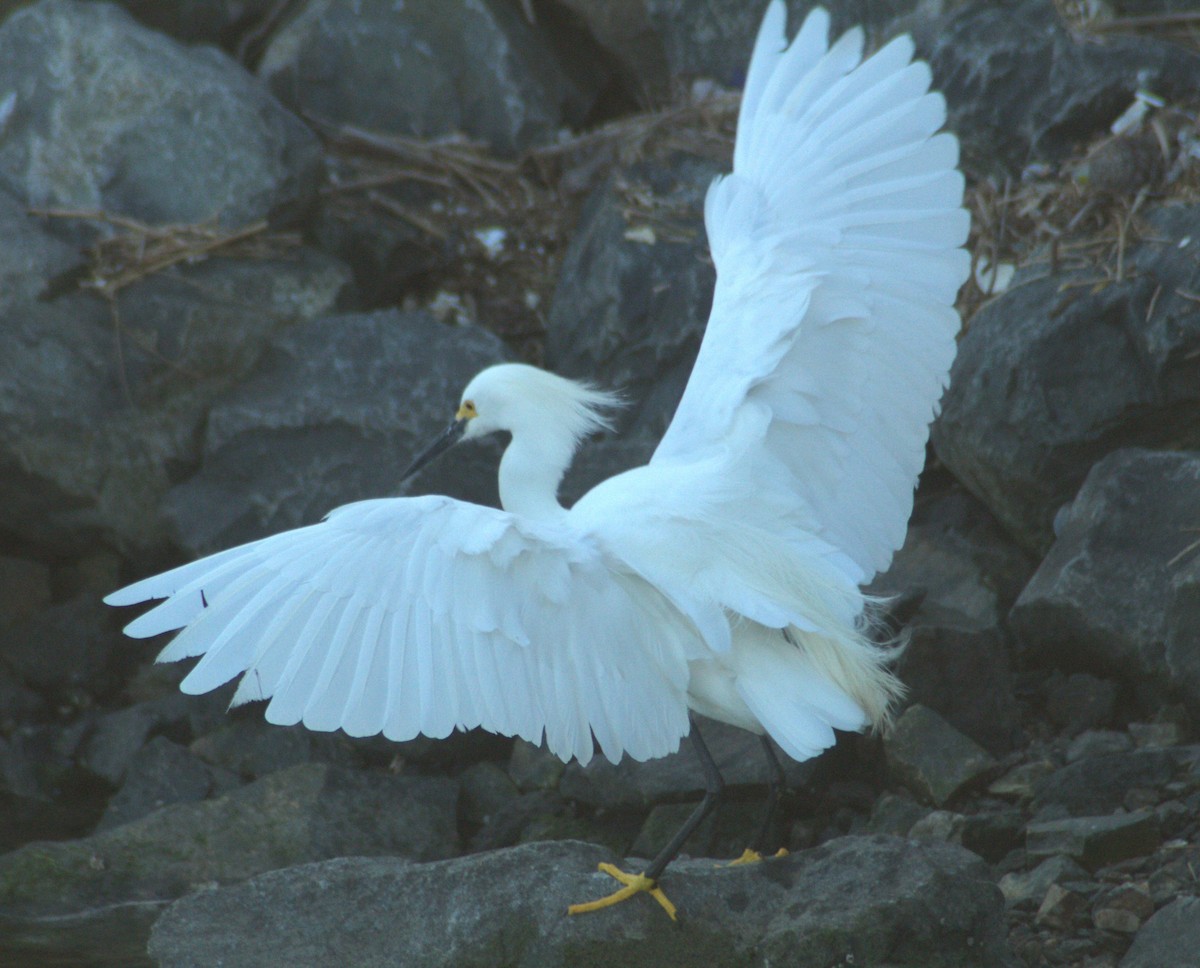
(837, 240)
(419, 615)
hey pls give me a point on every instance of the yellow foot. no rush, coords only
(748, 857)
(634, 884)
(753, 856)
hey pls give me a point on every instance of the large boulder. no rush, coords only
(870, 900)
(1021, 87)
(1105, 596)
(112, 883)
(424, 68)
(109, 115)
(633, 296)
(1064, 368)
(335, 410)
(950, 586)
(104, 402)
(653, 43)
(203, 21)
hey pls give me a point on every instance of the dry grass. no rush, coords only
(451, 190)
(135, 250)
(1084, 215)
(1090, 17)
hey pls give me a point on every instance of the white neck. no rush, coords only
(530, 471)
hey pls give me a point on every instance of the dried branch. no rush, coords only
(141, 250)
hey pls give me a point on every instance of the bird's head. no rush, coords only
(518, 398)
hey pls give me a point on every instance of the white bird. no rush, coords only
(723, 576)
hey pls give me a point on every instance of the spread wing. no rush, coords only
(420, 615)
(837, 240)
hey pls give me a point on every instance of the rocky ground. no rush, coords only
(253, 251)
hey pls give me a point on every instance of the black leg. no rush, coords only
(776, 785)
(713, 787)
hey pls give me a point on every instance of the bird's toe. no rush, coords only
(633, 884)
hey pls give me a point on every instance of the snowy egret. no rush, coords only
(723, 576)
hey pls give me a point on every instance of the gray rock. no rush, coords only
(95, 899)
(939, 826)
(963, 573)
(425, 68)
(1022, 87)
(18, 703)
(119, 736)
(932, 758)
(334, 412)
(1102, 599)
(113, 937)
(110, 115)
(1027, 413)
(1099, 784)
(958, 563)
(662, 823)
(1020, 782)
(1094, 841)
(388, 254)
(656, 41)
(895, 814)
(1183, 626)
(534, 767)
(993, 832)
(1098, 742)
(251, 748)
(965, 675)
(100, 410)
(874, 899)
(65, 649)
(1161, 735)
(162, 773)
(1027, 889)
(532, 817)
(1169, 939)
(678, 776)
(30, 807)
(1123, 908)
(1061, 908)
(24, 588)
(201, 21)
(486, 789)
(1080, 701)
(629, 315)
(309, 812)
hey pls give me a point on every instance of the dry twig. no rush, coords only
(139, 250)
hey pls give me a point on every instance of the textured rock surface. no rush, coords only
(110, 115)
(1027, 414)
(1094, 841)
(1021, 87)
(932, 758)
(97, 416)
(875, 900)
(631, 303)
(334, 411)
(738, 754)
(309, 812)
(1103, 598)
(1170, 938)
(474, 67)
(656, 41)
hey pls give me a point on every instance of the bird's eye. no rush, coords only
(466, 411)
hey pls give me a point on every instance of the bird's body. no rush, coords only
(723, 576)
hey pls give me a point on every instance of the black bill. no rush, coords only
(447, 440)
